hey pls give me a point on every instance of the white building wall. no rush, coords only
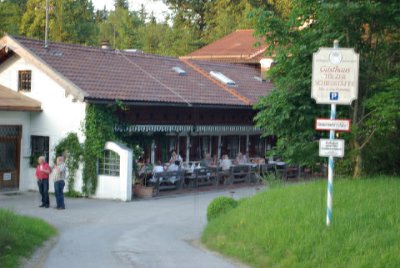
(60, 115)
(117, 187)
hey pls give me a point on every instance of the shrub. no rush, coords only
(220, 205)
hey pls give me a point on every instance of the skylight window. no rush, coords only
(259, 79)
(223, 78)
(179, 71)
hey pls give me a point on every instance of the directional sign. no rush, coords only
(335, 76)
(333, 148)
(332, 124)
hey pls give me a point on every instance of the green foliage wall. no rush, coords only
(98, 129)
(70, 148)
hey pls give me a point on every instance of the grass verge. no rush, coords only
(20, 236)
(285, 227)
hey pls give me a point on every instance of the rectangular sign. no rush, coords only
(6, 176)
(333, 148)
(332, 124)
(335, 76)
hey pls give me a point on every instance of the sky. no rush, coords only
(157, 6)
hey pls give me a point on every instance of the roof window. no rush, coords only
(222, 78)
(179, 71)
(259, 79)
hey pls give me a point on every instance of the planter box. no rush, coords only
(142, 191)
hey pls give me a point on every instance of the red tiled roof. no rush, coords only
(239, 46)
(132, 76)
(11, 100)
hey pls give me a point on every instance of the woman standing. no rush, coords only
(59, 182)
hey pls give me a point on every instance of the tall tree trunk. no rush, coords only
(357, 160)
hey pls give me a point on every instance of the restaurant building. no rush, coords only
(188, 105)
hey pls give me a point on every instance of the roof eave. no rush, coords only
(174, 104)
(21, 109)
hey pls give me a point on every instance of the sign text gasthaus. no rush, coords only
(335, 76)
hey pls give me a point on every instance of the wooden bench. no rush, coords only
(169, 180)
(239, 174)
(201, 177)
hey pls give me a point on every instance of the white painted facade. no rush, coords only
(117, 187)
(60, 114)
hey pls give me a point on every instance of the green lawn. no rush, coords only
(20, 236)
(285, 227)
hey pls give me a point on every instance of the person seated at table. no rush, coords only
(174, 166)
(240, 159)
(226, 163)
(158, 168)
(207, 161)
(215, 160)
(246, 158)
(175, 157)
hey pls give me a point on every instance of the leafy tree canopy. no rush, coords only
(371, 28)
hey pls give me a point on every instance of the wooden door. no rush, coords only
(10, 149)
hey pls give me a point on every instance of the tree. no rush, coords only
(10, 14)
(190, 11)
(70, 21)
(34, 19)
(121, 4)
(121, 29)
(225, 16)
(371, 28)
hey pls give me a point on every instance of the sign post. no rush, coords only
(331, 167)
(334, 81)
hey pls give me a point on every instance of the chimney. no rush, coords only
(266, 64)
(105, 44)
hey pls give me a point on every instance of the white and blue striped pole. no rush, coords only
(331, 162)
(331, 166)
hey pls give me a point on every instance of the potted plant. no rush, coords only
(140, 190)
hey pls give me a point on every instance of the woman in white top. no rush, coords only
(59, 176)
(226, 163)
(175, 157)
(158, 168)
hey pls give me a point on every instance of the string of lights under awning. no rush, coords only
(189, 128)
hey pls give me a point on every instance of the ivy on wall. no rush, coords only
(70, 148)
(98, 129)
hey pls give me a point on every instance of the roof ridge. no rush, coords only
(224, 87)
(92, 48)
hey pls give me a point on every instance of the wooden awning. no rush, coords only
(11, 100)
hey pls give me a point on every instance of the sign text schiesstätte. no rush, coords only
(335, 76)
